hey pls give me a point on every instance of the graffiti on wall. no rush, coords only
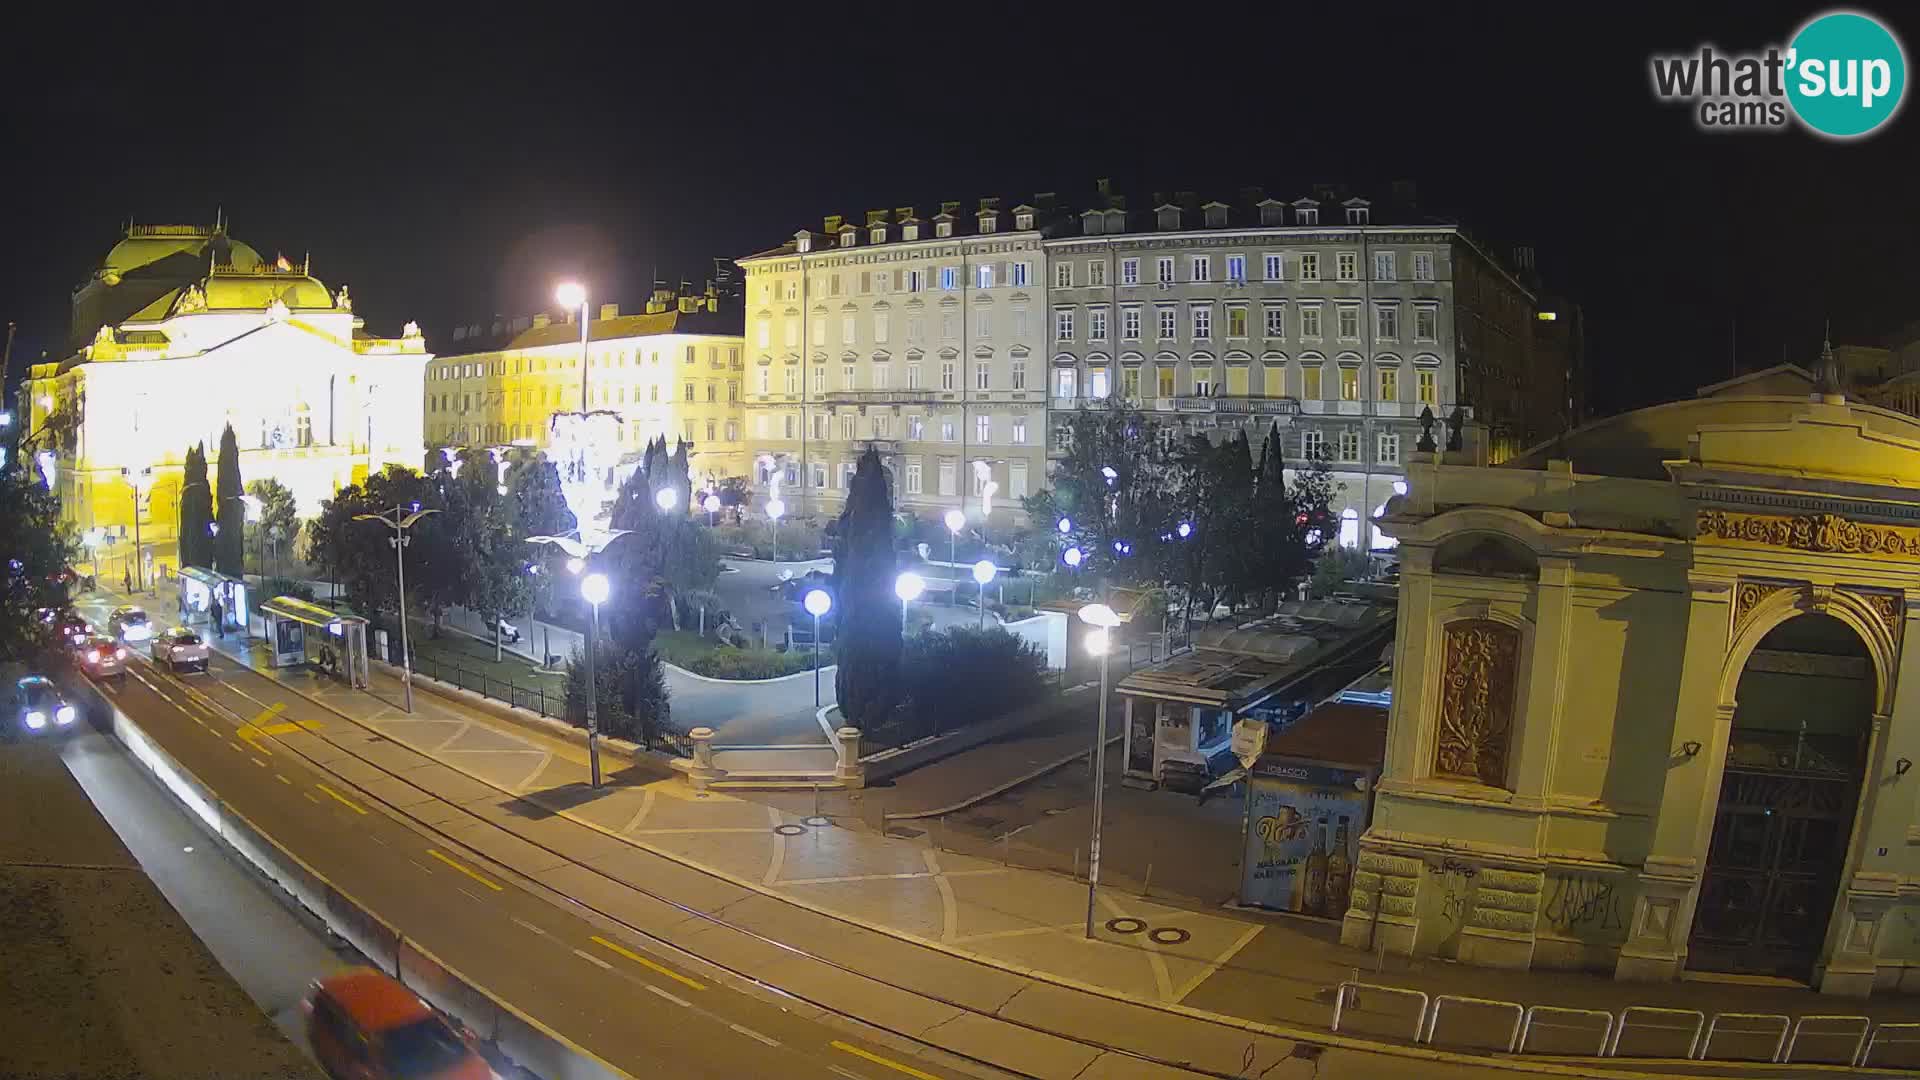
(1585, 905)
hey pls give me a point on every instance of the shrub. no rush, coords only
(630, 694)
(963, 674)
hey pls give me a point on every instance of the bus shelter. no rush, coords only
(200, 587)
(304, 633)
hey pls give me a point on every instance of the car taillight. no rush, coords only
(119, 654)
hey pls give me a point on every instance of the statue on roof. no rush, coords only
(191, 299)
(277, 311)
(411, 330)
(343, 301)
(1827, 381)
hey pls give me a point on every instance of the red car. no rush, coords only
(363, 1025)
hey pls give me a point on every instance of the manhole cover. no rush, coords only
(1125, 925)
(789, 830)
(1168, 935)
(817, 821)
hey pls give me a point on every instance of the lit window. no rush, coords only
(1310, 380)
(1309, 266)
(1347, 266)
(1236, 322)
(1426, 385)
(1423, 266)
(1389, 384)
(1097, 383)
(1349, 386)
(1129, 271)
(1383, 266)
(1237, 268)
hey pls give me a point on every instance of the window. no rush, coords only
(881, 376)
(1063, 275)
(733, 431)
(1202, 321)
(848, 380)
(833, 285)
(1310, 383)
(1358, 215)
(1386, 322)
(689, 430)
(916, 427)
(949, 278)
(1019, 431)
(1348, 325)
(1349, 385)
(1387, 449)
(1309, 266)
(1019, 373)
(1097, 324)
(1237, 268)
(710, 430)
(1164, 270)
(846, 330)
(983, 324)
(1019, 272)
(982, 375)
(764, 334)
(1276, 321)
(882, 281)
(947, 433)
(713, 391)
(1306, 215)
(1347, 266)
(1129, 271)
(793, 380)
(818, 334)
(1389, 384)
(1203, 382)
(1130, 383)
(1130, 324)
(913, 374)
(1426, 387)
(819, 380)
(689, 394)
(1349, 445)
(846, 428)
(1200, 268)
(1163, 378)
(913, 476)
(881, 326)
(1383, 266)
(819, 426)
(983, 430)
(1017, 479)
(981, 477)
(1097, 383)
(1423, 266)
(947, 376)
(949, 326)
(1169, 324)
(1096, 272)
(949, 480)
(1272, 268)
(1019, 322)
(882, 426)
(1236, 321)
(1426, 323)
(1313, 445)
(1063, 325)
(1310, 322)
(793, 290)
(819, 474)
(916, 280)
(983, 276)
(793, 333)
(1063, 384)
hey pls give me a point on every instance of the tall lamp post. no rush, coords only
(1099, 643)
(818, 604)
(594, 589)
(141, 479)
(254, 508)
(775, 511)
(908, 587)
(955, 522)
(983, 572)
(572, 294)
(399, 540)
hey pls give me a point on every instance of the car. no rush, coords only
(38, 708)
(101, 656)
(361, 1023)
(69, 626)
(129, 623)
(181, 648)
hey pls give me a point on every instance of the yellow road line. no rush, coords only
(282, 779)
(878, 1060)
(646, 963)
(342, 799)
(470, 873)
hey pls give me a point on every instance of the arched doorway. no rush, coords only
(1788, 797)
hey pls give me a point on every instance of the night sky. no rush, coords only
(451, 168)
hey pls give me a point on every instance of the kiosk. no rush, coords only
(303, 633)
(200, 587)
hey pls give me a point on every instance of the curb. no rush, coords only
(824, 668)
(1023, 778)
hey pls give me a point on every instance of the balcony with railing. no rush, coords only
(877, 397)
(1235, 404)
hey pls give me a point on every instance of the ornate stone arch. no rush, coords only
(1759, 606)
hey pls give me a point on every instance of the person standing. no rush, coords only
(219, 626)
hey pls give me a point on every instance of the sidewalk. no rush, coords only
(771, 870)
(955, 783)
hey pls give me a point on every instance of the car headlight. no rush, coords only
(119, 654)
(64, 714)
(93, 656)
(36, 719)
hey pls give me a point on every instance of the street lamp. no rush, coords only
(1065, 526)
(141, 479)
(818, 603)
(712, 506)
(572, 294)
(399, 540)
(983, 572)
(594, 589)
(255, 506)
(665, 499)
(1099, 643)
(908, 587)
(955, 522)
(93, 538)
(1072, 557)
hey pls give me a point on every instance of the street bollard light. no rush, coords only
(818, 603)
(983, 572)
(1099, 643)
(594, 589)
(908, 587)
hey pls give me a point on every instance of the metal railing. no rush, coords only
(537, 697)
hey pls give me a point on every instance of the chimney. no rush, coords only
(833, 223)
(952, 207)
(1043, 200)
(1188, 200)
(609, 311)
(1103, 187)
(542, 320)
(990, 203)
(876, 217)
(689, 303)
(903, 213)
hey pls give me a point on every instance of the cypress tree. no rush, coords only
(866, 612)
(230, 546)
(196, 509)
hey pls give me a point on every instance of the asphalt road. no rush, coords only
(642, 1012)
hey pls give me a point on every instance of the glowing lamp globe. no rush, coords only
(595, 588)
(665, 498)
(776, 509)
(909, 586)
(956, 521)
(818, 602)
(1072, 557)
(712, 504)
(570, 294)
(984, 570)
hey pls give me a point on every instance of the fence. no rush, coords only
(1637, 1031)
(537, 697)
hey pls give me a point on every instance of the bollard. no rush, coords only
(1147, 887)
(847, 768)
(1076, 864)
(703, 772)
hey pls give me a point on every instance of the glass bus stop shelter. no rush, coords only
(300, 633)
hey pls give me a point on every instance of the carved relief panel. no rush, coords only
(1476, 701)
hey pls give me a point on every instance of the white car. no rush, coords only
(129, 624)
(181, 648)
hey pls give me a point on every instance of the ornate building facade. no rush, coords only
(182, 330)
(674, 369)
(1653, 707)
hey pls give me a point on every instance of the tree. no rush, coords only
(492, 560)
(37, 549)
(196, 510)
(278, 511)
(868, 646)
(1207, 548)
(1290, 521)
(966, 674)
(358, 555)
(229, 544)
(1113, 520)
(630, 693)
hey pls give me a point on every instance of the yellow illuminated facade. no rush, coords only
(673, 370)
(183, 330)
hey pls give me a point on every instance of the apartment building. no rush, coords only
(923, 338)
(675, 369)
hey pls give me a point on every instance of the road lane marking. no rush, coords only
(878, 1060)
(845, 1073)
(236, 748)
(310, 798)
(527, 925)
(646, 963)
(592, 959)
(376, 840)
(680, 1001)
(342, 799)
(282, 779)
(752, 1034)
(468, 895)
(262, 762)
(464, 870)
(422, 866)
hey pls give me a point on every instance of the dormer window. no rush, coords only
(1272, 213)
(1023, 221)
(989, 223)
(1092, 223)
(849, 236)
(1167, 217)
(910, 232)
(1358, 215)
(803, 242)
(1306, 215)
(943, 228)
(1216, 215)
(878, 235)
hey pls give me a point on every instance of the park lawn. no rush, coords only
(474, 659)
(688, 650)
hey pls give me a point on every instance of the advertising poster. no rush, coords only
(1303, 834)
